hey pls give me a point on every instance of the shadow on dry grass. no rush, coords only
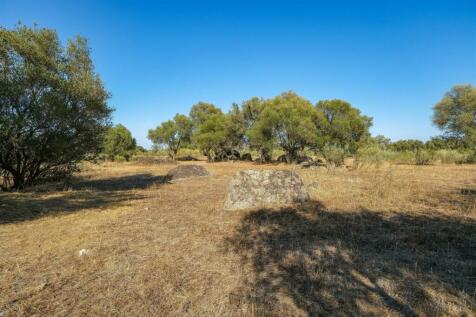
(362, 263)
(122, 183)
(86, 194)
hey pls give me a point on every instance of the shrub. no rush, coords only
(423, 157)
(371, 154)
(453, 156)
(120, 158)
(334, 155)
(119, 142)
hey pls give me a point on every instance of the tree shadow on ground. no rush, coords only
(86, 194)
(362, 263)
(463, 200)
(468, 192)
(129, 182)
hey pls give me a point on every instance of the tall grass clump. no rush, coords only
(334, 156)
(453, 156)
(371, 155)
(424, 157)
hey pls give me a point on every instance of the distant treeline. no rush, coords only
(54, 114)
(293, 125)
(287, 122)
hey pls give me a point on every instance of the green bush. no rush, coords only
(371, 154)
(119, 158)
(334, 155)
(423, 157)
(403, 157)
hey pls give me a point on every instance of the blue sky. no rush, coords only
(392, 59)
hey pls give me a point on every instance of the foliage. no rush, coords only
(290, 124)
(235, 127)
(119, 142)
(334, 155)
(371, 153)
(342, 124)
(172, 133)
(381, 142)
(53, 106)
(453, 156)
(260, 138)
(287, 121)
(407, 145)
(251, 110)
(210, 135)
(423, 157)
(257, 136)
(444, 143)
(140, 150)
(202, 111)
(455, 114)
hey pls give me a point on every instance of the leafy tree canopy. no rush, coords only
(287, 121)
(407, 145)
(174, 134)
(211, 135)
(381, 141)
(444, 143)
(251, 110)
(235, 127)
(344, 125)
(53, 105)
(119, 142)
(455, 114)
(201, 111)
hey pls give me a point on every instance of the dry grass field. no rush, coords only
(380, 241)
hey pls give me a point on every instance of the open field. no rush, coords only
(393, 240)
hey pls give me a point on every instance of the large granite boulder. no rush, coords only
(186, 171)
(264, 188)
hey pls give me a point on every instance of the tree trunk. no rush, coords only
(291, 156)
(18, 181)
(209, 155)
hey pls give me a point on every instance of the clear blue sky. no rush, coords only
(391, 59)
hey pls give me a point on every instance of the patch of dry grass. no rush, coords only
(394, 240)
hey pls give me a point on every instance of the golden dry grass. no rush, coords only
(395, 240)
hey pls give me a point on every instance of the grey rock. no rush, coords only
(187, 171)
(261, 188)
(306, 164)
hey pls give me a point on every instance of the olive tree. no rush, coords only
(119, 143)
(211, 135)
(251, 110)
(407, 145)
(172, 133)
(53, 105)
(288, 121)
(343, 125)
(455, 114)
(235, 127)
(217, 134)
(202, 111)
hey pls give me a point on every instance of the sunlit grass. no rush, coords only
(384, 240)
